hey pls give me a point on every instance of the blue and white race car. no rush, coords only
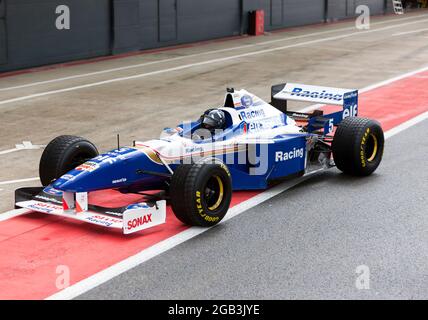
(246, 144)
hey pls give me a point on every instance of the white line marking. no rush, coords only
(8, 151)
(394, 79)
(197, 54)
(12, 214)
(409, 32)
(374, 86)
(406, 125)
(26, 145)
(163, 246)
(18, 181)
(197, 64)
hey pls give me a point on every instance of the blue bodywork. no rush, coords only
(120, 168)
(115, 169)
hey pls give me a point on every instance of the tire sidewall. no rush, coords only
(60, 154)
(366, 166)
(350, 143)
(80, 147)
(200, 207)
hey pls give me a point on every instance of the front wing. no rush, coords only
(129, 219)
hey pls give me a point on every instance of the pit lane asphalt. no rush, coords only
(308, 242)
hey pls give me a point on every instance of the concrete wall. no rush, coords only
(29, 36)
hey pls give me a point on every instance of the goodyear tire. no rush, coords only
(63, 154)
(358, 146)
(200, 193)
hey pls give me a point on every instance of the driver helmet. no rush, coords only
(213, 119)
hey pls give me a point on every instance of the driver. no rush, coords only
(213, 119)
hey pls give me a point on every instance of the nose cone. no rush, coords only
(113, 169)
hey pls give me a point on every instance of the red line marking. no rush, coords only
(32, 246)
(394, 103)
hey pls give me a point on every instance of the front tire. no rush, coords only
(358, 146)
(63, 154)
(201, 193)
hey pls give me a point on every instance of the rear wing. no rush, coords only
(347, 98)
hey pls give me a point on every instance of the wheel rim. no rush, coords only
(214, 193)
(371, 148)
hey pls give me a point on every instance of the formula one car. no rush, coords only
(246, 144)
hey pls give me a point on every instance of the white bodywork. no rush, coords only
(302, 92)
(172, 146)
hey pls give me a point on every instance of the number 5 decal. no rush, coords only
(330, 126)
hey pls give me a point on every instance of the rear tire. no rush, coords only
(63, 154)
(200, 193)
(358, 146)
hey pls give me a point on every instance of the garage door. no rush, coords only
(149, 23)
(3, 39)
(350, 7)
(34, 41)
(205, 19)
(337, 9)
(167, 20)
(276, 10)
(3, 43)
(376, 6)
(300, 12)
